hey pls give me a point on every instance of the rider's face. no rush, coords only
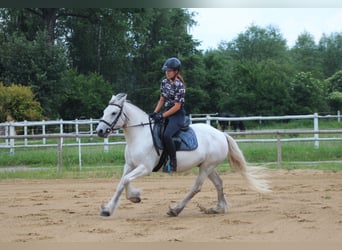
(170, 74)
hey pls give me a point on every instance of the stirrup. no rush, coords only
(168, 168)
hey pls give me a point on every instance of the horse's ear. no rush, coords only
(121, 97)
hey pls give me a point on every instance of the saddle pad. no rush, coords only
(188, 140)
(184, 140)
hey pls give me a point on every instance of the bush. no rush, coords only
(19, 102)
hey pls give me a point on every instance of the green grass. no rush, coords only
(97, 163)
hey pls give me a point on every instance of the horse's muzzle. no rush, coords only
(103, 132)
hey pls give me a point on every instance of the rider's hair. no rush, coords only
(179, 77)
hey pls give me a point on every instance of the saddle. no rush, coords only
(185, 140)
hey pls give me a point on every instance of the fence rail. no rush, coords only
(278, 133)
(85, 129)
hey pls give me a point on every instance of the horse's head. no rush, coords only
(112, 116)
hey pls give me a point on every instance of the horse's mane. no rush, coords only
(135, 106)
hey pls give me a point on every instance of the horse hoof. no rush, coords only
(135, 199)
(212, 211)
(172, 213)
(105, 213)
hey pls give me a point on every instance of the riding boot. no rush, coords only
(172, 162)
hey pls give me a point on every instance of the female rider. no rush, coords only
(172, 97)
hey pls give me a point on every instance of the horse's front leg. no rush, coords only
(107, 210)
(126, 178)
(132, 193)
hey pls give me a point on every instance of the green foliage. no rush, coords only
(306, 93)
(62, 52)
(306, 56)
(335, 81)
(85, 96)
(19, 102)
(257, 44)
(259, 72)
(33, 63)
(335, 100)
(330, 47)
(218, 68)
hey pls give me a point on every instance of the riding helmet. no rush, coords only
(172, 63)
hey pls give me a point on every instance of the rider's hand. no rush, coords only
(152, 115)
(158, 117)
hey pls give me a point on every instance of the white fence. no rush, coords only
(60, 129)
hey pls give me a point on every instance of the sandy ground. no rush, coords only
(306, 205)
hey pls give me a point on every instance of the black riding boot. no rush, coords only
(171, 165)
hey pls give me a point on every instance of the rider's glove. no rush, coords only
(157, 117)
(152, 115)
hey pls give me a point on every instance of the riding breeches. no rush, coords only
(174, 124)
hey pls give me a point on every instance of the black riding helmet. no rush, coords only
(172, 63)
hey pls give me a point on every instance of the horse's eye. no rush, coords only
(114, 113)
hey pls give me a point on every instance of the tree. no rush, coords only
(36, 64)
(330, 48)
(85, 97)
(260, 72)
(257, 44)
(30, 21)
(307, 94)
(218, 78)
(306, 57)
(19, 102)
(335, 82)
(335, 100)
(335, 91)
(126, 46)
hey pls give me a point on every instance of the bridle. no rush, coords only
(112, 125)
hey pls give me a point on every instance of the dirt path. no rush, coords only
(306, 205)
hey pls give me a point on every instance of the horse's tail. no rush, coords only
(253, 175)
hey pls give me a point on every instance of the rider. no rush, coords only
(172, 97)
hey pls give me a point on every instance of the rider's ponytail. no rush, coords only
(179, 77)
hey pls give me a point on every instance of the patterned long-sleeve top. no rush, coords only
(172, 92)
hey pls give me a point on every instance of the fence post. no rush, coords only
(91, 128)
(279, 151)
(106, 145)
(338, 116)
(79, 153)
(59, 165)
(6, 133)
(43, 132)
(61, 128)
(316, 143)
(11, 133)
(76, 129)
(208, 119)
(25, 132)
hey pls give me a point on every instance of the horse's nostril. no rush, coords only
(100, 132)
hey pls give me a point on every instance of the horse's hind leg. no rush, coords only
(222, 205)
(175, 211)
